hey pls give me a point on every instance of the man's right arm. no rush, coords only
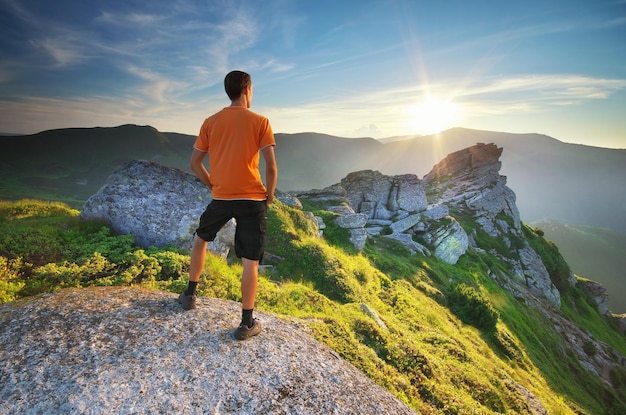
(197, 166)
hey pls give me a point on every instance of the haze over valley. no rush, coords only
(574, 184)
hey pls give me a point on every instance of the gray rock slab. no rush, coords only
(123, 350)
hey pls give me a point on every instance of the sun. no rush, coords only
(433, 115)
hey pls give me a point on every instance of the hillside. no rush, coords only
(411, 342)
(72, 164)
(595, 253)
(575, 184)
(451, 303)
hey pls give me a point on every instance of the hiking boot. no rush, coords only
(244, 332)
(187, 301)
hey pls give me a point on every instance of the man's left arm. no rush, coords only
(271, 172)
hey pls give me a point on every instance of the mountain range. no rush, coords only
(570, 182)
(574, 184)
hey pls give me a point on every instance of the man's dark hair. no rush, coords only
(235, 82)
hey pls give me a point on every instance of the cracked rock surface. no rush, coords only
(106, 350)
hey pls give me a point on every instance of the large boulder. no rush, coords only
(123, 350)
(450, 241)
(159, 205)
(379, 196)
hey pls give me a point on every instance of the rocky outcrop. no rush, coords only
(397, 207)
(159, 205)
(383, 197)
(470, 179)
(369, 203)
(469, 182)
(126, 350)
(598, 293)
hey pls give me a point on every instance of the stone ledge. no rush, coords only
(128, 350)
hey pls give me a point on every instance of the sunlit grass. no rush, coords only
(436, 360)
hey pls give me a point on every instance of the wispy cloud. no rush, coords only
(347, 115)
(63, 46)
(64, 51)
(546, 88)
(618, 21)
(158, 89)
(130, 19)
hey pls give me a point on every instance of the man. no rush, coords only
(233, 138)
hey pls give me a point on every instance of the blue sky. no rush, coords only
(347, 68)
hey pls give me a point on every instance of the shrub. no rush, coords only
(173, 264)
(472, 308)
(328, 272)
(10, 282)
(220, 279)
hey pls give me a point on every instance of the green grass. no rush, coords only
(453, 341)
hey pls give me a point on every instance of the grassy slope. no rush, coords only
(594, 253)
(427, 355)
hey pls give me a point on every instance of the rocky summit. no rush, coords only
(423, 214)
(126, 350)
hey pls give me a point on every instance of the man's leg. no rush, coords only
(249, 280)
(198, 254)
(249, 243)
(249, 283)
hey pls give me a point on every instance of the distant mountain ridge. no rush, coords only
(572, 183)
(72, 164)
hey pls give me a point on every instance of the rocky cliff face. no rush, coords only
(124, 350)
(466, 184)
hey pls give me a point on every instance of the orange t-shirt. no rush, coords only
(233, 138)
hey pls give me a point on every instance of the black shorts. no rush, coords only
(251, 217)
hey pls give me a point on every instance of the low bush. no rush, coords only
(472, 308)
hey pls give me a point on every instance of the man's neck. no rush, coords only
(242, 102)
